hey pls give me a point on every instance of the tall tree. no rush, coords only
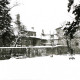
(6, 33)
(70, 4)
(74, 25)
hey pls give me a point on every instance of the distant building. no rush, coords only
(61, 38)
(75, 43)
(48, 39)
(29, 38)
(26, 38)
(56, 39)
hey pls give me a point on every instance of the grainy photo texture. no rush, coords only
(39, 39)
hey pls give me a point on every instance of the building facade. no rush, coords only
(60, 35)
(48, 39)
(28, 38)
(75, 42)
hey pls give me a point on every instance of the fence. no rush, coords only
(31, 51)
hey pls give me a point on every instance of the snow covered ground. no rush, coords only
(41, 68)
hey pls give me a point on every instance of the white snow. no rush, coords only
(41, 68)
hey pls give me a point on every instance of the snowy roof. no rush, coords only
(58, 28)
(26, 29)
(45, 37)
(34, 37)
(30, 29)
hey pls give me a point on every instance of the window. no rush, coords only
(76, 44)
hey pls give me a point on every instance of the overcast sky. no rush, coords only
(42, 14)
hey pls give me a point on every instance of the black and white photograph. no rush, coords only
(39, 39)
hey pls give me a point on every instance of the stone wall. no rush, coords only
(32, 51)
(75, 44)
